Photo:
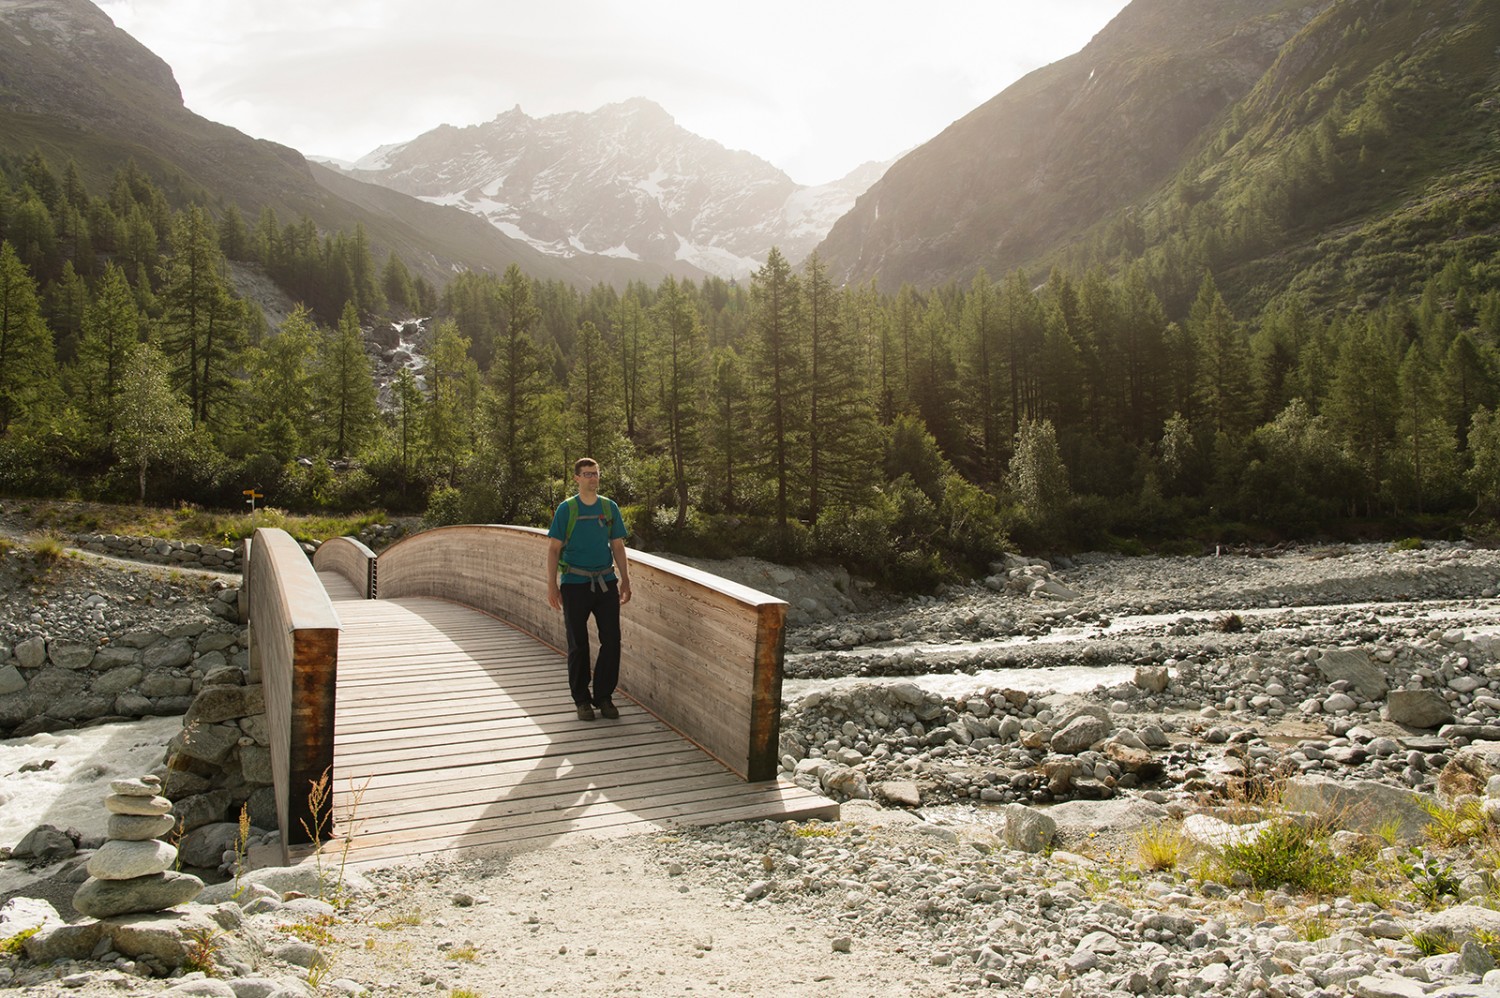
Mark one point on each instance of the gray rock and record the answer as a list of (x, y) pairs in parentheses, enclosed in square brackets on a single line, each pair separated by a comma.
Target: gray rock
[(306, 880), (117, 681), (1361, 805), (45, 844), (104, 898), (202, 809), (255, 764), (125, 860), (31, 653), (1418, 708), (20, 914), (217, 703), (134, 804), (168, 654), (205, 845), (143, 786), (11, 680), (162, 683), (202, 987), (139, 827), (1079, 734), (63, 942), (70, 654), (1152, 678), (209, 743), (1462, 922), (902, 793), (53, 683), (1026, 829), (300, 954), (1353, 665), (115, 657)]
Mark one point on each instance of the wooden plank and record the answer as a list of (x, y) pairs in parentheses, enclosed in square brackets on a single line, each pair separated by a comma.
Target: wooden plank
[(456, 731)]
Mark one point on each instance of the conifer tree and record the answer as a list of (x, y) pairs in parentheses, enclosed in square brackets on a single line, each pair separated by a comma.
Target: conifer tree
[(678, 355), (112, 325), (452, 395), (345, 389), (1362, 405), (27, 371), (728, 426), (282, 384), (202, 332), (779, 369), (841, 439), (1224, 377), (520, 386), (593, 389)]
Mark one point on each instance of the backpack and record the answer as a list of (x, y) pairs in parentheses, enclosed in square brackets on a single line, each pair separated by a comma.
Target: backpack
[(575, 506)]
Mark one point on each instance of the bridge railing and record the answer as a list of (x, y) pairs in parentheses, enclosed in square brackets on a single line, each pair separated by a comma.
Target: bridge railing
[(294, 647), (350, 558), (701, 653)]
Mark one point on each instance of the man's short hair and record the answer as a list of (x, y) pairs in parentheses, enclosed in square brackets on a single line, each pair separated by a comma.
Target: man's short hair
[(584, 462)]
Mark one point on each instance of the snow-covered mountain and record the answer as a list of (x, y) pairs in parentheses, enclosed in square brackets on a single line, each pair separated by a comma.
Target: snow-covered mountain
[(626, 181)]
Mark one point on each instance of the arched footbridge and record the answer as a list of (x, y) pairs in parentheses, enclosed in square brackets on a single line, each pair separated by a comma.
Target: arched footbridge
[(425, 689)]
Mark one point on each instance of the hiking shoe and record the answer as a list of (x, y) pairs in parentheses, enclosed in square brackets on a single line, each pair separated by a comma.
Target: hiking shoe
[(585, 712), (609, 710)]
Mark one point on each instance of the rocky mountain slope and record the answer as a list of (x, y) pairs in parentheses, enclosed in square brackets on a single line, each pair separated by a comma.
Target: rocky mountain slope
[(624, 181), (1340, 151), (75, 86), (1047, 158)]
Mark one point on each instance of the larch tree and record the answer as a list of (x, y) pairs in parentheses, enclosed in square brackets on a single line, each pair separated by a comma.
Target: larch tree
[(594, 395), (779, 368), (678, 356), (202, 330), (27, 370), (841, 439), (520, 388), (112, 325), (344, 385)]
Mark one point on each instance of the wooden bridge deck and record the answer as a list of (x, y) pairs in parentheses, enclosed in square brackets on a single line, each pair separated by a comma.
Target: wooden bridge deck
[(455, 731)]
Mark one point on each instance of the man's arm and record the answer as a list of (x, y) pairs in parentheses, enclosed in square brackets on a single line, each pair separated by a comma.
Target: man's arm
[(554, 552), (622, 568)]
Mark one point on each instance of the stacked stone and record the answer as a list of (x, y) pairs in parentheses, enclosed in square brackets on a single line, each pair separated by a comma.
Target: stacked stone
[(131, 873)]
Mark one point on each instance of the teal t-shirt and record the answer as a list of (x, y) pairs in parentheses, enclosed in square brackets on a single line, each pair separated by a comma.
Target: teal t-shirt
[(589, 547)]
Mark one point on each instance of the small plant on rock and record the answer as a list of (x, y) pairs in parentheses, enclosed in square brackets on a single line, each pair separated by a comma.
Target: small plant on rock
[(1433, 943), (1431, 878), (12, 945), (1230, 623), (1452, 826), (201, 947)]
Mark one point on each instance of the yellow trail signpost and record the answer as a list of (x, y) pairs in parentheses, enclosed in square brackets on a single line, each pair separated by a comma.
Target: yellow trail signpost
[(254, 495)]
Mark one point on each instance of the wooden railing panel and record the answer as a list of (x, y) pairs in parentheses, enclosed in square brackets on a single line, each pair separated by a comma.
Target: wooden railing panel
[(701, 653), (352, 559), (294, 643)]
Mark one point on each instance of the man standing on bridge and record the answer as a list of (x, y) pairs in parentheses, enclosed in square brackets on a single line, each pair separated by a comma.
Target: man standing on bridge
[(587, 549)]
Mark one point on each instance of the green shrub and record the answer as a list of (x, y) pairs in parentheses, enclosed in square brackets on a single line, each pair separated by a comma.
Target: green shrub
[(1288, 855), (1409, 544)]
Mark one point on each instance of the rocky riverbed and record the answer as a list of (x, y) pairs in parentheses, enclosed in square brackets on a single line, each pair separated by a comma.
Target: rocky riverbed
[(999, 835)]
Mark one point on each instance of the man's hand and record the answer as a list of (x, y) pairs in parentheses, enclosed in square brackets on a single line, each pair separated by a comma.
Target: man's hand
[(624, 591), (554, 597)]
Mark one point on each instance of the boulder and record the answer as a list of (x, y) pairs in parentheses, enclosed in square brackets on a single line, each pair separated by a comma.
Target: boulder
[(45, 844), (139, 827), (104, 898), (1353, 665), (1079, 734), (1026, 829), (1359, 805), (1418, 708)]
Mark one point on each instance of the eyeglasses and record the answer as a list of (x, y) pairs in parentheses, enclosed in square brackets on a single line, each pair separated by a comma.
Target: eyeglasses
[(588, 474)]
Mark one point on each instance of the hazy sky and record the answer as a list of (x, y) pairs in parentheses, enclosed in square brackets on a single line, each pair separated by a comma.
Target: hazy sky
[(816, 87)]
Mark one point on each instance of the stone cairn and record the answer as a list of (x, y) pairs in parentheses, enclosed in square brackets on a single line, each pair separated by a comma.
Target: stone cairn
[(131, 873)]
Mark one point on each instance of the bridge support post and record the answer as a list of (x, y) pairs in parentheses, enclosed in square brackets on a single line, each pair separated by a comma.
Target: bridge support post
[(294, 641)]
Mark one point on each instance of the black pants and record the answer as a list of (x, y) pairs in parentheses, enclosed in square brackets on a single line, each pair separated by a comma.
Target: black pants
[(580, 600)]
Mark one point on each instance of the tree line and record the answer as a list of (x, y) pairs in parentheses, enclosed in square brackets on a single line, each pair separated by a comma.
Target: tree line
[(911, 435)]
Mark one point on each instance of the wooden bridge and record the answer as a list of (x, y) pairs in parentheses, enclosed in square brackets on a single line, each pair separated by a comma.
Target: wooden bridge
[(424, 688)]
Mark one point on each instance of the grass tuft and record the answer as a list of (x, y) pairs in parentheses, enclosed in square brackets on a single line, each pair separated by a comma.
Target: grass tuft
[(1161, 846)]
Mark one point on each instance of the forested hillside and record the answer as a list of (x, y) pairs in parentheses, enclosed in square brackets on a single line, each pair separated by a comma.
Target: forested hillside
[(910, 434)]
